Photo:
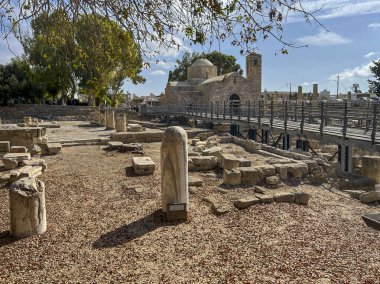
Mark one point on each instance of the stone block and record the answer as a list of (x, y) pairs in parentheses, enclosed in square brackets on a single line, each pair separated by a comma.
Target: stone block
[(264, 198), (5, 146), (249, 175), (282, 170), (27, 120), (28, 171), (286, 197), (143, 165), (12, 160), (369, 197), (302, 198), (53, 148), (244, 162), (114, 145), (27, 207), (193, 181), (131, 147), (298, 170), (18, 149), (35, 162), (264, 171), (194, 141), (371, 167), (246, 202), (213, 151), (229, 161), (202, 163), (134, 127), (232, 177), (272, 181)]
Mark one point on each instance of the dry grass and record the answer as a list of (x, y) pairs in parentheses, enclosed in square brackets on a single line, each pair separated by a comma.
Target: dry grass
[(106, 227)]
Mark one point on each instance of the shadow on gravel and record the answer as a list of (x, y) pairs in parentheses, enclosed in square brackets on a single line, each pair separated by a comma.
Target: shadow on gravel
[(132, 231), (6, 238)]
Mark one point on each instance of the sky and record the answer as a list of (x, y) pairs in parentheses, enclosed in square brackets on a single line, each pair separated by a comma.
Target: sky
[(346, 46)]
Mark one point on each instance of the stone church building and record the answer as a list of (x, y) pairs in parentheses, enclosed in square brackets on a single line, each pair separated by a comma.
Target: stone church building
[(203, 85)]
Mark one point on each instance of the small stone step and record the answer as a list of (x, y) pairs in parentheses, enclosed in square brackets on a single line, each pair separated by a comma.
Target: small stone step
[(143, 165)]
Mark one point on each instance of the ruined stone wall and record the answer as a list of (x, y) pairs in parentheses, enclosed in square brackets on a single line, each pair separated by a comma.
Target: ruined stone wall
[(16, 113)]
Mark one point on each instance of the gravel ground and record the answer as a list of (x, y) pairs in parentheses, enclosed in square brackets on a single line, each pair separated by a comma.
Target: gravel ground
[(106, 227)]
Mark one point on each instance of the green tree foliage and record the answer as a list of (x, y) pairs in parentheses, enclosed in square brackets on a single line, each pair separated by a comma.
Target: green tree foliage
[(69, 55), (18, 83), (375, 69), (224, 63), (239, 22)]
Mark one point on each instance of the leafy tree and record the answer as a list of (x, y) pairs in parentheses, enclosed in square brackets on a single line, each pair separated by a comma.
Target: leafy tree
[(18, 83), (240, 22), (375, 69), (224, 63)]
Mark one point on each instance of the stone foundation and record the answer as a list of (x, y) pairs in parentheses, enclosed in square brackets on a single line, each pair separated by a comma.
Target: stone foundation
[(26, 136)]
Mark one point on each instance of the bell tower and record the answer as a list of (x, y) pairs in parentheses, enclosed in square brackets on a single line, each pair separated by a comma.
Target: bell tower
[(253, 71)]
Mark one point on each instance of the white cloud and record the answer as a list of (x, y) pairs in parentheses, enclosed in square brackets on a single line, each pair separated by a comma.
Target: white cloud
[(165, 64), (361, 71), (177, 46), (368, 55), (323, 38), (305, 84), (374, 25), (328, 9), (158, 73)]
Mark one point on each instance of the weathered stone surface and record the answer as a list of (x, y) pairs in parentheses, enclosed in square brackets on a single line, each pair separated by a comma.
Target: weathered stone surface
[(282, 170), (225, 139), (244, 162), (114, 145), (121, 122), (298, 170), (354, 193), (249, 175), (130, 147), (53, 148), (371, 167), (174, 167), (18, 149), (102, 118), (27, 207), (272, 181), (259, 189), (264, 198), (371, 196), (246, 202), (27, 120), (143, 165), (231, 177), (28, 171), (213, 151), (194, 141), (204, 135), (23, 136), (35, 162), (11, 160), (35, 150), (193, 154), (286, 197), (266, 170), (302, 198), (202, 163), (110, 119), (216, 206), (134, 127), (229, 161), (5, 146), (193, 181)]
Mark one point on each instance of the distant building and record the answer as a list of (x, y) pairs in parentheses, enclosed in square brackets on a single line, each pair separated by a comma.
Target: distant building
[(203, 84), (324, 95)]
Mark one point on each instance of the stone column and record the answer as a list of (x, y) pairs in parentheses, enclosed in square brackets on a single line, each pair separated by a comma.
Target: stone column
[(121, 122), (96, 116), (110, 119), (27, 207), (314, 99), (102, 120), (174, 177)]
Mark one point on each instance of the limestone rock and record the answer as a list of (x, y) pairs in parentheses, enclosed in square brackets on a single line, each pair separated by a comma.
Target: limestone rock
[(213, 151), (286, 197), (243, 162), (371, 167), (354, 193), (131, 147), (202, 163), (229, 161), (272, 181), (298, 170), (18, 149), (249, 175), (5, 146), (246, 202), (12, 160), (371, 196), (27, 207), (302, 198), (266, 170), (114, 145), (53, 148), (35, 162), (143, 165), (174, 168), (232, 177), (259, 189), (193, 181), (133, 127), (264, 198), (282, 170), (28, 171), (35, 150)]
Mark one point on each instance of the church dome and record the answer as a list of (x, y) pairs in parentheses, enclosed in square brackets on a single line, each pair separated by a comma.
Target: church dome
[(202, 62)]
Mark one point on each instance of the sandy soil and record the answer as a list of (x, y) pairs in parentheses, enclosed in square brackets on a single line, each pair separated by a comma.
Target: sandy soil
[(106, 227)]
